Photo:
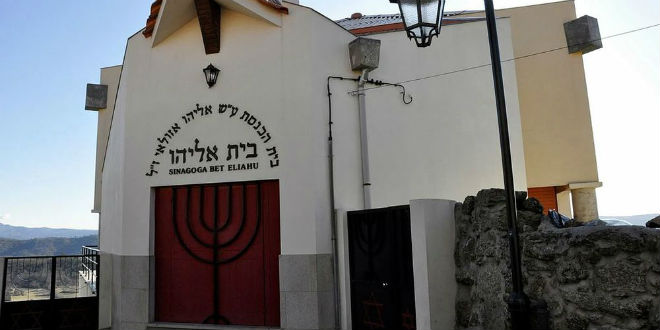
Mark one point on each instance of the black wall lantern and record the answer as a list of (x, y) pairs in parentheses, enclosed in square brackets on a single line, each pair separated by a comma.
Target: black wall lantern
[(211, 74), (422, 19)]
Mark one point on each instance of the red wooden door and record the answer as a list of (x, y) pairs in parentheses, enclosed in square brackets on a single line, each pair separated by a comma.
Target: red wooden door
[(546, 195), (216, 251)]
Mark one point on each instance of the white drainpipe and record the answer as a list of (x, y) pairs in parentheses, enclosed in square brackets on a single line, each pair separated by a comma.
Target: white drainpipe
[(364, 140)]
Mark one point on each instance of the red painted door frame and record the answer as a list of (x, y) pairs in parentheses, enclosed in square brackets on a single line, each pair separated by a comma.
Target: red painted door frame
[(230, 277)]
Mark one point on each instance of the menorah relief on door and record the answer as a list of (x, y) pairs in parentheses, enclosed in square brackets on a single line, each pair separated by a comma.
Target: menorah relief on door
[(216, 251)]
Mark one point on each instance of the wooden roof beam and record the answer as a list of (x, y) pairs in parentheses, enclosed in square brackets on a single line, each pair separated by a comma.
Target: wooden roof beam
[(208, 13)]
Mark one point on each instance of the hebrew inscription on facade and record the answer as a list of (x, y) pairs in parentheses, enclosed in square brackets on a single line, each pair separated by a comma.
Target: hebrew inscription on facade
[(214, 154)]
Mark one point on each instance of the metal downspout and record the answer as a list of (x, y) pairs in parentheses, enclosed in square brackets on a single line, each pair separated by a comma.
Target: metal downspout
[(364, 141), (333, 213)]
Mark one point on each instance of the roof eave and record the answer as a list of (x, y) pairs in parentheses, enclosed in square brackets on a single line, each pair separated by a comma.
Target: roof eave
[(168, 16)]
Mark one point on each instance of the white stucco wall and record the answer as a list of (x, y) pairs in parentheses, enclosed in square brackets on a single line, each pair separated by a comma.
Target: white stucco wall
[(443, 145), (553, 97)]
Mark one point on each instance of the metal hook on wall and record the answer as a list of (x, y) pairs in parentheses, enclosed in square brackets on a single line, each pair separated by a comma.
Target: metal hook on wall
[(403, 95), (405, 100)]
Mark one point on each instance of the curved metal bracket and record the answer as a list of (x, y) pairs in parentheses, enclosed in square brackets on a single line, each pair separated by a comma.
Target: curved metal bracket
[(403, 95), (405, 98)]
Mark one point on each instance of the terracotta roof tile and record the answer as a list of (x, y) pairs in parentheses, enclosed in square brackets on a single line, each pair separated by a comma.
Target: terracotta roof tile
[(151, 20), (369, 24), (366, 21), (277, 4)]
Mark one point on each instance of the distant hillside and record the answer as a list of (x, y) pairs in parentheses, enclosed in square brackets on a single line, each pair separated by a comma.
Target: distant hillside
[(639, 220), (23, 233), (45, 246)]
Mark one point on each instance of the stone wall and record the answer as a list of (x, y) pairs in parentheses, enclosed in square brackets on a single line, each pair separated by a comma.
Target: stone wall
[(592, 277)]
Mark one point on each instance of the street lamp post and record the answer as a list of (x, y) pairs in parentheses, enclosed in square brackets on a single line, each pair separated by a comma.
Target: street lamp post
[(422, 20)]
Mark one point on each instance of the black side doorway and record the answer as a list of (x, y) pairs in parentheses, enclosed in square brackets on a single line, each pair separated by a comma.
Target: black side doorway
[(380, 257)]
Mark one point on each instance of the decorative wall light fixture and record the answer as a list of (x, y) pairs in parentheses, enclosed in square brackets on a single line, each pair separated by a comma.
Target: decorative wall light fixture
[(422, 19), (211, 74)]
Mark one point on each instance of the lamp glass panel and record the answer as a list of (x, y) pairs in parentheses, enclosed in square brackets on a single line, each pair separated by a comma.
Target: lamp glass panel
[(409, 12), (429, 9)]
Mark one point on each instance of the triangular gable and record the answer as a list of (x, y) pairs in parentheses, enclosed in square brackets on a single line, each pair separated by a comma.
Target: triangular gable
[(173, 15), (168, 16), (266, 10)]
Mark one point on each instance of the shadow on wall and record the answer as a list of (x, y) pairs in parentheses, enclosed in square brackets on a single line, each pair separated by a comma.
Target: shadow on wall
[(595, 277)]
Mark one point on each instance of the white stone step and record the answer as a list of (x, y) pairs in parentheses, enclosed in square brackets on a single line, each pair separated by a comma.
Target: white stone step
[(187, 326)]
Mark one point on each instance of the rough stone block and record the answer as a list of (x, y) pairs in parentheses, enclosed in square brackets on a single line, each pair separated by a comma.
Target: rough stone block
[(490, 197), (571, 272), (364, 54), (468, 205), (97, 97), (532, 205), (592, 277), (582, 35), (529, 221), (621, 279)]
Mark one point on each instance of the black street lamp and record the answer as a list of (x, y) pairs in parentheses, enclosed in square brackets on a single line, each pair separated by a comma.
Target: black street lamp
[(422, 19), (211, 74), (422, 24)]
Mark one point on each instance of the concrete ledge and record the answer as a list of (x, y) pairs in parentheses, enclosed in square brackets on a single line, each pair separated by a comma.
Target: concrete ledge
[(583, 185)]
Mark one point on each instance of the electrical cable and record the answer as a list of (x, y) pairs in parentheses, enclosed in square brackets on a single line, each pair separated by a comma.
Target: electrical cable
[(509, 60)]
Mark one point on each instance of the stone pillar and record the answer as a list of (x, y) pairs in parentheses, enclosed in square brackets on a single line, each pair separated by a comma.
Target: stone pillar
[(432, 228), (583, 195)]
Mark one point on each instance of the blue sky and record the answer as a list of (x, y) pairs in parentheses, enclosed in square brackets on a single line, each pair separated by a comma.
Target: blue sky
[(51, 49)]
